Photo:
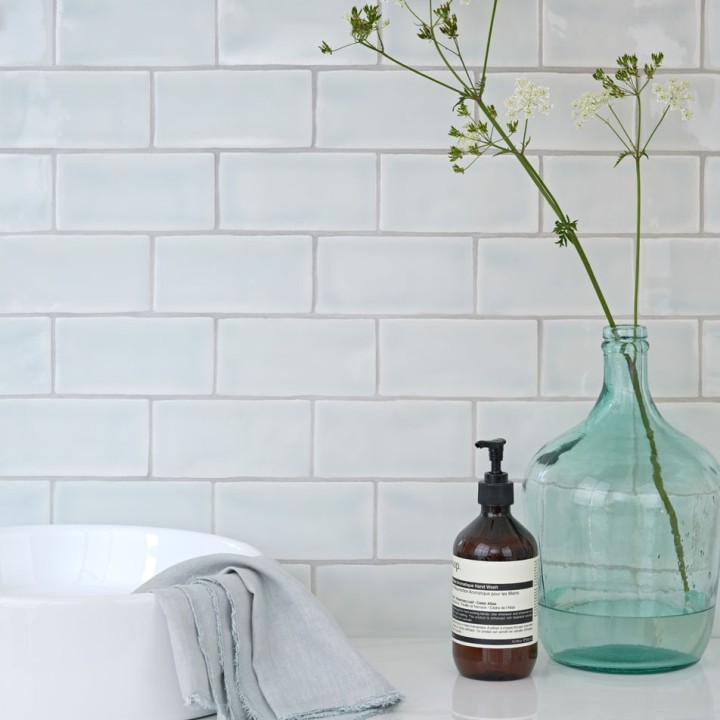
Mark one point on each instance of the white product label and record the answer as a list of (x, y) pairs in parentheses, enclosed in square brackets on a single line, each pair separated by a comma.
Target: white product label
[(495, 604)]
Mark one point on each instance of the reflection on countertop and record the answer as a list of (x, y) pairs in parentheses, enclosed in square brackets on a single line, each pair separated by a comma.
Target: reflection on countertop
[(424, 671)]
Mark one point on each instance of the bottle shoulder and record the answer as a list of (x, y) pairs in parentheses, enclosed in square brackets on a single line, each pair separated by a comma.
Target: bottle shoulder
[(495, 538)]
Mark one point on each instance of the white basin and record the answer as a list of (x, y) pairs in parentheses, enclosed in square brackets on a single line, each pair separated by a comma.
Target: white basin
[(75, 644)]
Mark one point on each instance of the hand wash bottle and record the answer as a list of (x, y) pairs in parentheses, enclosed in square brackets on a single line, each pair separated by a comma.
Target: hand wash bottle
[(494, 592)]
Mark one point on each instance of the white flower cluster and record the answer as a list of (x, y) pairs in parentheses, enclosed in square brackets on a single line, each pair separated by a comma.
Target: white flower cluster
[(673, 94), (528, 99), (587, 106)]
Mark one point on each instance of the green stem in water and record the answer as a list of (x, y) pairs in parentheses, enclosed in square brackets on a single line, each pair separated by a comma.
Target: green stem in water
[(657, 474)]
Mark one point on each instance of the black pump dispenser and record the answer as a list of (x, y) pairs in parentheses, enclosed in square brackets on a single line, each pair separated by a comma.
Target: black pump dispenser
[(495, 490)]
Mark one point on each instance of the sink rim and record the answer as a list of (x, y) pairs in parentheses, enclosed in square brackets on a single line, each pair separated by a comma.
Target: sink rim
[(9, 599)]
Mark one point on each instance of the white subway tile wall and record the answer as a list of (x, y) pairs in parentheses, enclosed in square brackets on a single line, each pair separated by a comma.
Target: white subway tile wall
[(242, 291)]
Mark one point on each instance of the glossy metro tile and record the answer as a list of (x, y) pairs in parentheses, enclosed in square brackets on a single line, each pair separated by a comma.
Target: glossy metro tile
[(528, 426), (458, 358), (24, 502), (226, 274), (442, 509), (224, 108), (183, 505), (371, 109), (387, 600), (296, 357), (313, 191), (59, 437), (27, 27), (26, 190), (392, 439), (593, 33), (134, 356), (136, 192), (75, 109), (533, 276), (135, 32), (281, 518), (284, 32), (70, 273), (226, 438), (582, 183), (515, 41), (679, 277), (396, 275), (25, 364), (580, 374), (421, 193)]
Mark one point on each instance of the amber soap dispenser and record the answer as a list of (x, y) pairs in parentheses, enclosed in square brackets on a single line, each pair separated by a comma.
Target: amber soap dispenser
[(494, 586)]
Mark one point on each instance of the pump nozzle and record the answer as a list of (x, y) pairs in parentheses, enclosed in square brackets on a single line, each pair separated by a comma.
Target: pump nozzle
[(496, 452), (495, 490)]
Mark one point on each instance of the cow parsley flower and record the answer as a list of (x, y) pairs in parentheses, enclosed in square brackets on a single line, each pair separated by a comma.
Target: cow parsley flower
[(588, 105), (528, 99), (675, 94)]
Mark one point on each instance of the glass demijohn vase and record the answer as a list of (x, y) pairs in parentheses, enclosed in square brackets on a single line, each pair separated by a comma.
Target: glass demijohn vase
[(626, 513)]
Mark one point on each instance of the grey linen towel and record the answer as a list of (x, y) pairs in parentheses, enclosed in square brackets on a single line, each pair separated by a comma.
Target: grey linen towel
[(251, 643)]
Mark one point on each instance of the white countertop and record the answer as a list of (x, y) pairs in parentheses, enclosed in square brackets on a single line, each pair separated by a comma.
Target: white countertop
[(424, 671)]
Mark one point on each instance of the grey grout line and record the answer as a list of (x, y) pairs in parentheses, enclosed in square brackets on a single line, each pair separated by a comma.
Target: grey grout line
[(378, 191), (313, 439), (376, 324), (701, 186), (151, 439), (216, 9), (55, 29), (535, 152), (308, 233), (213, 507), (376, 502), (313, 302), (312, 399), (314, 102), (152, 80), (475, 275), (51, 500), (53, 355), (314, 67), (216, 182), (540, 348), (216, 356), (152, 248), (54, 191), (703, 38), (541, 34), (701, 361)]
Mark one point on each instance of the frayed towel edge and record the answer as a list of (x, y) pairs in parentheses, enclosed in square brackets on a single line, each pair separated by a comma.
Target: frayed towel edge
[(366, 708)]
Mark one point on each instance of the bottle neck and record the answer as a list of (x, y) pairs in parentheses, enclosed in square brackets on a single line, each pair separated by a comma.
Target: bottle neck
[(495, 510), (625, 352)]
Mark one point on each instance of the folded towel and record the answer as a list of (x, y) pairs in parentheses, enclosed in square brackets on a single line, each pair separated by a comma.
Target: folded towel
[(251, 643)]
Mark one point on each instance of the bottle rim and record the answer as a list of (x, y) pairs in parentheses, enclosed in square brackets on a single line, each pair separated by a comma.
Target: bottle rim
[(625, 333)]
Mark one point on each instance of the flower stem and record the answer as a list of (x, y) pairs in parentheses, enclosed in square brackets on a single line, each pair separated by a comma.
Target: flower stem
[(487, 45), (657, 473), (552, 202), (638, 225)]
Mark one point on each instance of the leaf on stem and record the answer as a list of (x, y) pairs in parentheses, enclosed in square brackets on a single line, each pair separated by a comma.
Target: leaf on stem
[(566, 231)]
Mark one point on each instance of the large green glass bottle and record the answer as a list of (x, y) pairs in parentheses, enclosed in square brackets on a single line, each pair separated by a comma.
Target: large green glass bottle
[(626, 512)]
